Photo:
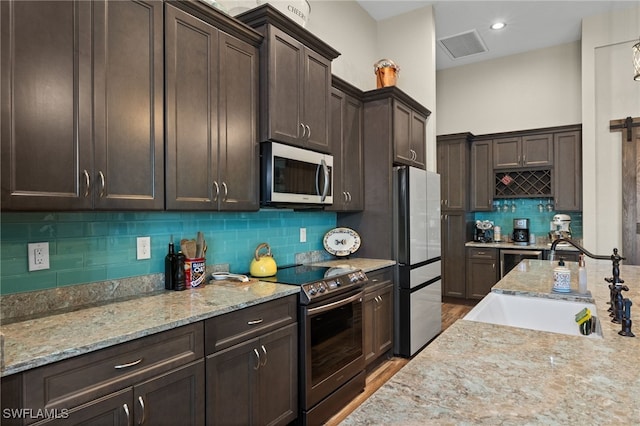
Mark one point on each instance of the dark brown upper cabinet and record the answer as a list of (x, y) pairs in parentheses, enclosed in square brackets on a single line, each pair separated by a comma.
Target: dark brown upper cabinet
[(295, 79), (523, 151), (212, 111), (408, 124), (482, 176), (346, 145), (567, 182), (453, 166), (82, 115)]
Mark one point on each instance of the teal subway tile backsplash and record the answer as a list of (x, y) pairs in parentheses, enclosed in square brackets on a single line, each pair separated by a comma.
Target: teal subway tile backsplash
[(96, 246), (528, 208)]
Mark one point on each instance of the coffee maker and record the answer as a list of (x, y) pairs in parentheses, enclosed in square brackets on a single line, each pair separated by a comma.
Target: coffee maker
[(483, 231), (520, 232), (560, 227)]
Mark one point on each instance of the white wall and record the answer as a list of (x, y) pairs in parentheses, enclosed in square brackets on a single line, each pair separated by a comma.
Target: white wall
[(609, 93), (536, 89), (408, 39)]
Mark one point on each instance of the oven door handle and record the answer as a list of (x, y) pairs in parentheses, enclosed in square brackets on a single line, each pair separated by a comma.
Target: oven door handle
[(336, 304)]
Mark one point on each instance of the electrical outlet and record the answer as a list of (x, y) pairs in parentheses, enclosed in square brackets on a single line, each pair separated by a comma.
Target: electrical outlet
[(303, 235), (143, 248), (38, 256)]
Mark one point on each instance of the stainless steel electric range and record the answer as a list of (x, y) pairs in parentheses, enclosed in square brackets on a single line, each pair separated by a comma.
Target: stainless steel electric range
[(331, 354)]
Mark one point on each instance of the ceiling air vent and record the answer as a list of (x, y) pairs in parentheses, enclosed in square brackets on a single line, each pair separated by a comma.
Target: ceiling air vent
[(463, 44)]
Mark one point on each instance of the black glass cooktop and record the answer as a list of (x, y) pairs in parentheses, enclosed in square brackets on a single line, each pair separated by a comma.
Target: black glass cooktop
[(304, 274)]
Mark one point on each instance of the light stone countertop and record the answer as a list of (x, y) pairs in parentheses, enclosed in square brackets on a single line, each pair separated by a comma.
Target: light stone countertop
[(45, 339), (35, 342), (539, 245), (479, 373)]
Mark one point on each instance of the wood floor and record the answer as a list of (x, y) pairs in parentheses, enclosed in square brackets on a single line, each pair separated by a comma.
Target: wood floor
[(451, 311)]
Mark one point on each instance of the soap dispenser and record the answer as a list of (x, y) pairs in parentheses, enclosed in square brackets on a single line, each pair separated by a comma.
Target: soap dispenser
[(561, 278), (582, 275)]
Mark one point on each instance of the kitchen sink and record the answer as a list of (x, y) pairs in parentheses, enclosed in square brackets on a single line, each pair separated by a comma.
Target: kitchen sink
[(534, 313)]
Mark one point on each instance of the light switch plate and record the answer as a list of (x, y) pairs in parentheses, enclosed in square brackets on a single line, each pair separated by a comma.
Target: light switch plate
[(38, 256), (303, 235), (143, 248)]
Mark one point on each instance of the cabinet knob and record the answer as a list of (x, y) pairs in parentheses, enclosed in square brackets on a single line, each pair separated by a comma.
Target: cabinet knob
[(255, 351), (144, 413), (304, 130), (264, 350), (308, 131)]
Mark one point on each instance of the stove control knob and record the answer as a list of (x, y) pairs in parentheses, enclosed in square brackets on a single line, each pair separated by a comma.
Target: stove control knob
[(322, 288), (312, 290)]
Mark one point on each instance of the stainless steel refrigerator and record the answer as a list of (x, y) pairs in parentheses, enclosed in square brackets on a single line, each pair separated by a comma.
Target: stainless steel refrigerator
[(418, 291)]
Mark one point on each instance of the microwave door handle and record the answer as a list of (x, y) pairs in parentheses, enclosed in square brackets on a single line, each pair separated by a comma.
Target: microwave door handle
[(325, 170)]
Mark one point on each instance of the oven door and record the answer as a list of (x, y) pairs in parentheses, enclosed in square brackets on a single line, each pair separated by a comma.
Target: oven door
[(331, 345), (509, 259)]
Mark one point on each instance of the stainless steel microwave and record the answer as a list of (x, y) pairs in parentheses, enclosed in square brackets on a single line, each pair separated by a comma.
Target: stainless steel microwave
[(295, 176)]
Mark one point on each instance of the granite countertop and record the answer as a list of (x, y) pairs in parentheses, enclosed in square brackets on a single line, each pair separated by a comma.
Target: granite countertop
[(45, 339), (40, 341), (539, 245), (479, 373)]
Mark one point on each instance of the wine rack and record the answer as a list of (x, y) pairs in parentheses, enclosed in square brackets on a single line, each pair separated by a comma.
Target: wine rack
[(529, 183)]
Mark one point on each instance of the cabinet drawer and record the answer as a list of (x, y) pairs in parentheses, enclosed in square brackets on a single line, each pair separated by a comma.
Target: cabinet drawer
[(379, 276), (71, 382), (482, 253), (235, 327)]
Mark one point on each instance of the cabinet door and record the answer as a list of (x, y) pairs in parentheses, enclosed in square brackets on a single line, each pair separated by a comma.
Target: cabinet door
[(191, 110), (453, 254), (537, 150), (507, 153), (116, 409), (482, 274), (384, 319), (567, 179), (238, 103), (352, 163), (368, 326), (282, 120), (128, 105), (346, 145), (232, 376), (317, 91), (45, 123), (174, 398), (418, 139), (482, 180), (277, 394), (453, 159), (402, 120)]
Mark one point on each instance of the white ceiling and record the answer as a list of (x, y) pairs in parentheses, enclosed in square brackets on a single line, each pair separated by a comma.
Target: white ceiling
[(530, 24)]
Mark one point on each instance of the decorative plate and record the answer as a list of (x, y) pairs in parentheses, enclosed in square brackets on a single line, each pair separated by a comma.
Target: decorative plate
[(341, 241)]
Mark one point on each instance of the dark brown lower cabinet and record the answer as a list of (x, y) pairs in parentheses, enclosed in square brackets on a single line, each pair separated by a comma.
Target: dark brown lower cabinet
[(378, 315), (173, 398), (255, 382), (482, 271), (454, 236)]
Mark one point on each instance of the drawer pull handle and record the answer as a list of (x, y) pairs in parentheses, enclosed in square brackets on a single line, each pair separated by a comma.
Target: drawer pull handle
[(481, 253), (254, 322), (255, 351), (141, 402), (127, 365)]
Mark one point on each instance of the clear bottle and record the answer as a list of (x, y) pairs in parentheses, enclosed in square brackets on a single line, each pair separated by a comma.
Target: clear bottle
[(582, 275), (169, 267)]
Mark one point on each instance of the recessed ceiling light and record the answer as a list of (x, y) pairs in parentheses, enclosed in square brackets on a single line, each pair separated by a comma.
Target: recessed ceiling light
[(498, 26)]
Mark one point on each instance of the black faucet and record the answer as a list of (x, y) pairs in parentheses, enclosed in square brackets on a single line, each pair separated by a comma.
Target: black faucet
[(620, 308)]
